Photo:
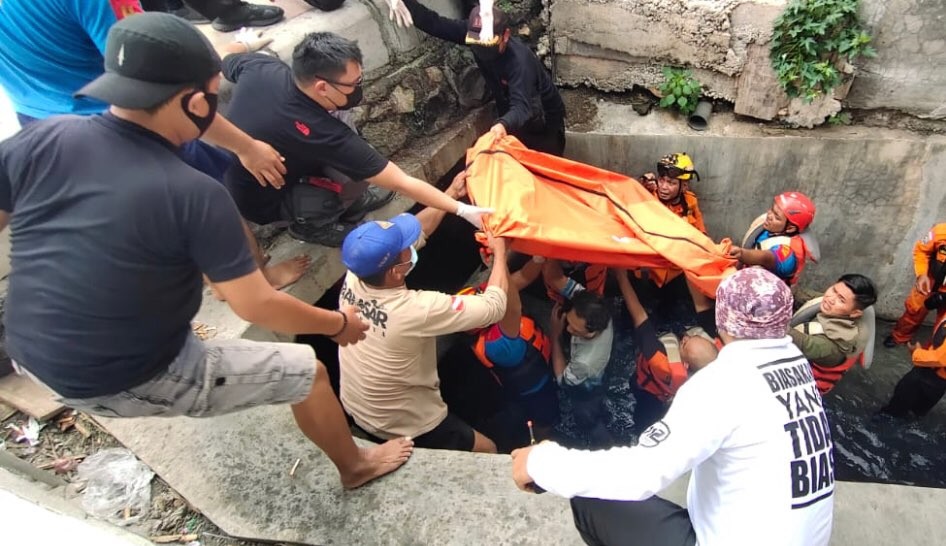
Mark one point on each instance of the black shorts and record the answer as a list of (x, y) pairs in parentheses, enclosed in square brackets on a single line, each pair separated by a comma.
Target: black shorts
[(451, 433)]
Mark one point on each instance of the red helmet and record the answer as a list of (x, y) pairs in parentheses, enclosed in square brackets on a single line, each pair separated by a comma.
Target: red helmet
[(798, 209)]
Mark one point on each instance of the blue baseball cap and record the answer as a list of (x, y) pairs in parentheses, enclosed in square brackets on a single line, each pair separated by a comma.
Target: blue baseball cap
[(375, 246)]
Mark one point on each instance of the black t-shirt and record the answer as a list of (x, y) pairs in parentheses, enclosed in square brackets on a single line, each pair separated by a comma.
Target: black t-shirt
[(268, 106), (110, 233), (517, 79)]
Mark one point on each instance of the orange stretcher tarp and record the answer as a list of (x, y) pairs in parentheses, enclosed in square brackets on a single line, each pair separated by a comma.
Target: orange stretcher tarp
[(562, 209)]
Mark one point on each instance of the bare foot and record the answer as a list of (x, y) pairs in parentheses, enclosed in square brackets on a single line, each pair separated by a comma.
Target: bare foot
[(287, 272), (378, 461)]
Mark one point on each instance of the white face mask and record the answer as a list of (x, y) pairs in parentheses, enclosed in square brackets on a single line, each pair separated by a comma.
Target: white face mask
[(414, 259)]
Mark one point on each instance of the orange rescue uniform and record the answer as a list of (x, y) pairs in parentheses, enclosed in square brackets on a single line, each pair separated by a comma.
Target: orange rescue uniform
[(929, 259)]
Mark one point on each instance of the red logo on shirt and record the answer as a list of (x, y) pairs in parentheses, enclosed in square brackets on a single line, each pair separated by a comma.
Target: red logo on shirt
[(456, 303), (124, 8), (303, 128)]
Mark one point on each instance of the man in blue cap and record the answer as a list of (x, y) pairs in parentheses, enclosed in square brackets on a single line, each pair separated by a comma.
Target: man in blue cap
[(389, 381)]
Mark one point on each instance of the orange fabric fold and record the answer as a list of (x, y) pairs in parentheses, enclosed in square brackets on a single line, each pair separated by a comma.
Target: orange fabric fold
[(558, 208)]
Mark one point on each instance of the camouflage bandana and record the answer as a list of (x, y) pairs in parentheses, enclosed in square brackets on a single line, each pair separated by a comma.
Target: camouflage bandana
[(753, 304)]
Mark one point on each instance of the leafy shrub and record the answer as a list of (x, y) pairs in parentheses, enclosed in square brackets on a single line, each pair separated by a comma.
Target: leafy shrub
[(680, 90), (810, 39)]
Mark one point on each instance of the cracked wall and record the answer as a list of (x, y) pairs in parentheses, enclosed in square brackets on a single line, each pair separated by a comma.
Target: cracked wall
[(613, 45), (876, 192)]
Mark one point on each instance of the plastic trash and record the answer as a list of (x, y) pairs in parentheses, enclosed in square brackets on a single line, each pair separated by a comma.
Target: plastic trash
[(116, 480)]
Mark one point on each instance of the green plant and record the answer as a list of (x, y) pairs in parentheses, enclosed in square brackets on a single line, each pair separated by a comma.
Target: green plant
[(811, 39), (680, 90), (841, 118)]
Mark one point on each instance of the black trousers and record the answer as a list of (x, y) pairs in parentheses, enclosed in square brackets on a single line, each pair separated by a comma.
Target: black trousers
[(551, 140), (652, 522), (918, 391), (210, 9)]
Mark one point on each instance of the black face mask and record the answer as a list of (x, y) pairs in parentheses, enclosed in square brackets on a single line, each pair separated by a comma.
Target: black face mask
[(202, 123), (352, 99), (485, 53)]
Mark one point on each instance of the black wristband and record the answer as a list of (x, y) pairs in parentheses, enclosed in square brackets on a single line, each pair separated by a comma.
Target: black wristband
[(344, 323)]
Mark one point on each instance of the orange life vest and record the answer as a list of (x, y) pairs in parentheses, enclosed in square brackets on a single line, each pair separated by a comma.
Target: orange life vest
[(934, 355), (660, 376), (532, 370), (827, 377), (688, 208)]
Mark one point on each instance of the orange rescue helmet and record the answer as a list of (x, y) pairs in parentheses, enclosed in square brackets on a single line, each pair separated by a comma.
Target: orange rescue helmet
[(798, 208)]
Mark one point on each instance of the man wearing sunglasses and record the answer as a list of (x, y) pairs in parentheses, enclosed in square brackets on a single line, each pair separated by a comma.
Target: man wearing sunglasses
[(333, 172), (527, 102)]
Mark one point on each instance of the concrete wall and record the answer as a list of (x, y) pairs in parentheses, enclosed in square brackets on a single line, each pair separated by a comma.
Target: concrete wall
[(876, 194), (909, 72), (616, 44)]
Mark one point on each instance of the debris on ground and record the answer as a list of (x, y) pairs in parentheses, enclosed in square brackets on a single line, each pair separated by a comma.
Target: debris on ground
[(203, 331), (117, 486), (26, 432), (67, 439)]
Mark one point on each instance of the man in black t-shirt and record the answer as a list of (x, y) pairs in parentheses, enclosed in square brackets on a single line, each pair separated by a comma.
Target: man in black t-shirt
[(529, 106), (296, 110), (111, 232)]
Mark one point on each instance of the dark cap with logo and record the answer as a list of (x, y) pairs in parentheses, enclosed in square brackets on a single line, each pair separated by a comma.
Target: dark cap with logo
[(475, 23), (149, 58)]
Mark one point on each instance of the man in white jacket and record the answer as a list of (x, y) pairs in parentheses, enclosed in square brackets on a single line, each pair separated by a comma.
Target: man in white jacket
[(750, 426)]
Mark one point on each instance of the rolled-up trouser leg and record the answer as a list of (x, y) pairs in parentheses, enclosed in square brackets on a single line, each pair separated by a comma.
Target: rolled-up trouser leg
[(913, 314)]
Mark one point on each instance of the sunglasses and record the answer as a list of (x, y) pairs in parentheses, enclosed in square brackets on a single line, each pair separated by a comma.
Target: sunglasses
[(676, 172), (356, 83)]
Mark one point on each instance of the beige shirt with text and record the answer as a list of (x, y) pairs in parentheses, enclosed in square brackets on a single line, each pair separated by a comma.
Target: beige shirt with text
[(389, 381)]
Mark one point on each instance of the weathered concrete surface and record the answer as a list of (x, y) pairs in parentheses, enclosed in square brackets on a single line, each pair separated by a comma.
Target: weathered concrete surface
[(909, 72), (235, 470), (614, 45), (38, 515), (877, 191), (428, 159)]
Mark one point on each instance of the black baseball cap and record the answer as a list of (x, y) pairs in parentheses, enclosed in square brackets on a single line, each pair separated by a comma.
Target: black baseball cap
[(149, 57)]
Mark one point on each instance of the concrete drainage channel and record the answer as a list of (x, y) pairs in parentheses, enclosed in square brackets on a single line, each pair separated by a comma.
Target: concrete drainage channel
[(241, 482), (234, 469)]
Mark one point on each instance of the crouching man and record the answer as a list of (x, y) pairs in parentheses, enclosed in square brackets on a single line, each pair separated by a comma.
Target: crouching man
[(761, 461), (389, 383)]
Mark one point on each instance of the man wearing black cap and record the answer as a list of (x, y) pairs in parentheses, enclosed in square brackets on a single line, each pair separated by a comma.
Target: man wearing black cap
[(110, 234), (41, 76), (529, 106)]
